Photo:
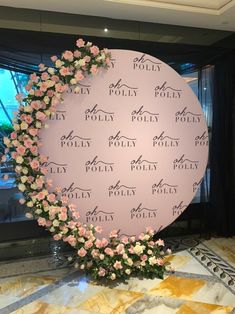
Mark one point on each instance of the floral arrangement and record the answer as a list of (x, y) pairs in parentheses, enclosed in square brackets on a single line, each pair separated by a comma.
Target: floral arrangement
[(113, 258)]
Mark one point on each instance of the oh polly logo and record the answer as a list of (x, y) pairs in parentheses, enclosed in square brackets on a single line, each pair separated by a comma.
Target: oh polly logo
[(84, 89), (122, 89), (166, 91), (98, 114), (178, 208), (196, 184), (164, 140), (144, 63), (96, 215), (183, 163), (163, 188), (98, 165), (141, 164), (55, 167), (201, 140), (141, 115), (119, 140), (184, 116), (121, 190), (59, 115), (73, 140), (74, 192), (141, 212)]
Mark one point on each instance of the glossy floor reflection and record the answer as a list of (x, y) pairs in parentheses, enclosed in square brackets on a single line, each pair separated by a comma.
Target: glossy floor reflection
[(203, 283)]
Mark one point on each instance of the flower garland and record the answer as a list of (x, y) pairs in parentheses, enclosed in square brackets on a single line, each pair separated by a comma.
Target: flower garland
[(111, 258)]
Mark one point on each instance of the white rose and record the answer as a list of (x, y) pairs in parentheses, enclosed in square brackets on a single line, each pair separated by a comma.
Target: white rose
[(73, 81), (33, 186), (28, 108), (52, 229), (16, 127), (65, 230), (113, 276), (38, 211), (146, 237), (23, 179), (6, 140), (80, 63), (50, 83), (25, 170), (152, 260), (38, 125), (18, 168), (21, 187), (129, 261), (30, 204), (128, 271), (138, 249), (150, 252), (101, 257), (56, 223), (59, 63), (19, 159), (51, 70), (46, 99)]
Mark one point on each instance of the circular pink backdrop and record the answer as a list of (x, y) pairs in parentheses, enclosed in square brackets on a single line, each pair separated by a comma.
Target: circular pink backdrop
[(130, 149)]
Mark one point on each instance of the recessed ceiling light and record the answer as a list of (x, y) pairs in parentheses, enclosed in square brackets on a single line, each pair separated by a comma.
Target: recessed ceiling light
[(105, 30)]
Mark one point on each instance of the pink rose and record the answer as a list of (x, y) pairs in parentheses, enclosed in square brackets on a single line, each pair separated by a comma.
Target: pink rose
[(21, 150), (82, 252), (79, 76), (63, 216), (33, 77), (33, 132), (80, 43), (159, 242), (81, 231), (72, 224), (34, 164), (40, 116), (113, 234), (65, 71), (98, 229), (55, 78), (57, 236), (40, 195), (41, 221), (28, 119), (51, 197), (125, 240), (44, 76), (120, 248), (50, 93), (13, 135), (71, 240), (150, 230), (94, 69), (64, 199), (104, 242), (88, 244), (77, 54), (98, 243), (117, 265), (109, 251), (34, 150), (38, 93), (144, 257), (94, 50), (159, 262), (68, 55), (101, 272), (35, 104), (54, 58)]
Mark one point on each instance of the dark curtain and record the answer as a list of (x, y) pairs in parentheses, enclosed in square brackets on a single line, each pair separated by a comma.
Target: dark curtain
[(24, 50), (222, 204)]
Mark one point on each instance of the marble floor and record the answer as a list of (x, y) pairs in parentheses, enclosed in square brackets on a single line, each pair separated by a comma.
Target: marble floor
[(203, 282)]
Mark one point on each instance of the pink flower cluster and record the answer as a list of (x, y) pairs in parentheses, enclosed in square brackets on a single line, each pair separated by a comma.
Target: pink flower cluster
[(110, 258)]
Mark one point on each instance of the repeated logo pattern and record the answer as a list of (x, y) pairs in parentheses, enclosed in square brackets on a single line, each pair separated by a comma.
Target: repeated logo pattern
[(130, 147)]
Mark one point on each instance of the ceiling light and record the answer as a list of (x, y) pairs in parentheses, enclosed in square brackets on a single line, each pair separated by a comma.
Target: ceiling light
[(105, 30)]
